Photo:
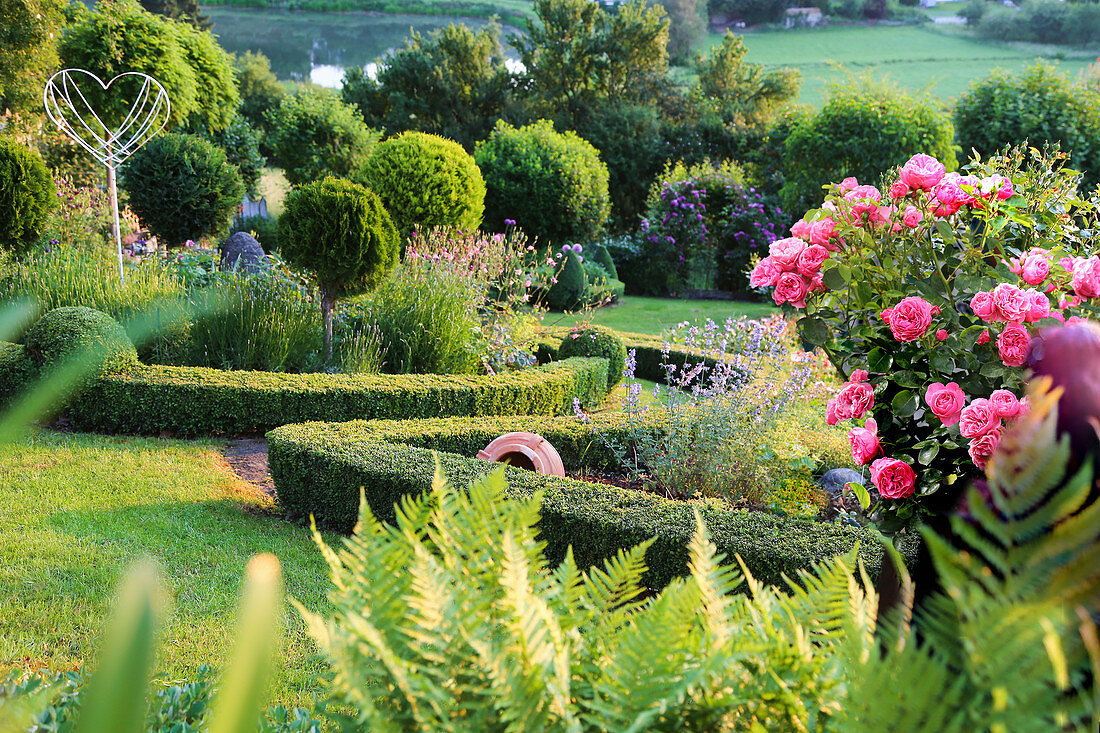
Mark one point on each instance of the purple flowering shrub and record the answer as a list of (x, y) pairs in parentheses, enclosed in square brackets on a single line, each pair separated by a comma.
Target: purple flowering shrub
[(749, 226), (673, 236)]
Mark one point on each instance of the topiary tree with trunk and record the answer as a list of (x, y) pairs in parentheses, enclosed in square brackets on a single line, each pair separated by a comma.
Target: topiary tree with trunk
[(339, 231)]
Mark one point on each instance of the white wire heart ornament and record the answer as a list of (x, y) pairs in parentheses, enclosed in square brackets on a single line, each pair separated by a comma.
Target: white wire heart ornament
[(77, 117)]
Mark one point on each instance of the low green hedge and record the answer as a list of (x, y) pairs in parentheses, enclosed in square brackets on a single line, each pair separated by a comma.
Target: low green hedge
[(15, 371), (319, 468), (650, 354), (197, 401)]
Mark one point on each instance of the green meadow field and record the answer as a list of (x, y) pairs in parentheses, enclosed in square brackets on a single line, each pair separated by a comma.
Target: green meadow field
[(942, 61)]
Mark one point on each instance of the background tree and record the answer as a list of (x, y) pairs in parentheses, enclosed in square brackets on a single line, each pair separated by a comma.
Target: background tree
[(241, 144), (452, 82), (687, 21), (340, 232), (27, 196), (186, 10), (260, 91), (28, 53), (119, 36), (314, 134), (182, 187), (1040, 106), (738, 91)]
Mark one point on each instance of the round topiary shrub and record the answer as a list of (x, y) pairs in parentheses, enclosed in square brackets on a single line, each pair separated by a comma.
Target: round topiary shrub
[(426, 180), (553, 185), (597, 341), (27, 196), (340, 232), (76, 332), (182, 187)]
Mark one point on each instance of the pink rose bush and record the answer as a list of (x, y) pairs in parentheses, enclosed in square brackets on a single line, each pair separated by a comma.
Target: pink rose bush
[(927, 293)]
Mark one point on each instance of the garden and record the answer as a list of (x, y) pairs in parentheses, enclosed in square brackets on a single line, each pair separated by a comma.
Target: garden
[(494, 424)]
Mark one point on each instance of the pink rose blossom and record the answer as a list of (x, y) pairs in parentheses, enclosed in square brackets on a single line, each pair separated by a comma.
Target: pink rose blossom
[(765, 274), (983, 338), (1010, 302), (886, 315), (864, 442), (1038, 306), (978, 418), (1013, 344), (785, 252), (791, 288), (822, 232), (893, 478), (911, 217), (859, 375), (1086, 277), (854, 400), (811, 259), (1005, 191), (911, 319), (945, 401), (1034, 268), (1005, 404), (847, 184), (941, 335), (831, 418), (863, 192), (982, 448), (800, 229), (983, 307), (899, 190), (922, 172)]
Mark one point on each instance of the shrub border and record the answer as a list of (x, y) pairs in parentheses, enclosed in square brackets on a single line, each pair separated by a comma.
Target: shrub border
[(319, 468), (651, 353)]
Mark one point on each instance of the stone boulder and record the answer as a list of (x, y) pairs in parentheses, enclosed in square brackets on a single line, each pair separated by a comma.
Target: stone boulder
[(243, 252)]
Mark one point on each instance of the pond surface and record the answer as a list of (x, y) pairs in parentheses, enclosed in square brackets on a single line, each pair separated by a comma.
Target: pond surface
[(317, 47)]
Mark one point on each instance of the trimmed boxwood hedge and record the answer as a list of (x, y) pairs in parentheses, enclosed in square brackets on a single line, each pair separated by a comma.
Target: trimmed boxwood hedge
[(649, 354), (191, 401), (15, 370), (319, 469)]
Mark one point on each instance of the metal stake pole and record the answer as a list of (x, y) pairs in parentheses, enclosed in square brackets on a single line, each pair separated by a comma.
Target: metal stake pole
[(113, 185)]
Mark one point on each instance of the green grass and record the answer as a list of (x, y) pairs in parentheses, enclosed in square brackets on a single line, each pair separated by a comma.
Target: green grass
[(654, 315), (940, 60), (78, 510), (274, 187)]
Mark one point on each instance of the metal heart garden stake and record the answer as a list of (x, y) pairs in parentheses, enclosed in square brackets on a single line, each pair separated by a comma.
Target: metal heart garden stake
[(75, 115)]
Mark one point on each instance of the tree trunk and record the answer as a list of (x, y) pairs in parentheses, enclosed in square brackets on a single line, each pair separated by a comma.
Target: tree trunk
[(328, 301)]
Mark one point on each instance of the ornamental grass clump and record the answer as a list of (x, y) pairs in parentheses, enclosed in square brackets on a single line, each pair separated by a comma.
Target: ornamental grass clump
[(706, 431), (927, 294)]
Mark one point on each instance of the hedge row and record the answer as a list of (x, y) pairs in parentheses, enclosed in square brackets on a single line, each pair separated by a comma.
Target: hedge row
[(15, 371), (319, 468), (651, 355), (191, 401)]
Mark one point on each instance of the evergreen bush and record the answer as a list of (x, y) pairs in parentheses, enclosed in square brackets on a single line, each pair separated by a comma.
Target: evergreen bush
[(182, 187), (427, 181), (75, 331), (597, 341), (27, 196), (568, 292), (552, 185), (340, 232), (313, 135)]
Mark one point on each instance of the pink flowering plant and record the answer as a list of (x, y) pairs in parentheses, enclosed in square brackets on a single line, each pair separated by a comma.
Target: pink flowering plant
[(925, 292)]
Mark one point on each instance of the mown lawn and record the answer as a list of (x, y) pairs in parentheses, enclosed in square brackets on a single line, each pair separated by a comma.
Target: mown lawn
[(654, 315), (940, 60), (77, 510)]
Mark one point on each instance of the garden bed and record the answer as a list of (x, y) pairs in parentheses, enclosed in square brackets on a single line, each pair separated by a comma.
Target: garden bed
[(320, 468)]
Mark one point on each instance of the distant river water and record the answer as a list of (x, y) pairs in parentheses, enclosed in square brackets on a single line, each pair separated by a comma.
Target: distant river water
[(318, 46)]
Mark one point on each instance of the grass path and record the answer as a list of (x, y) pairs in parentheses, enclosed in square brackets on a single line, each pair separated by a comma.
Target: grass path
[(654, 315), (77, 510)]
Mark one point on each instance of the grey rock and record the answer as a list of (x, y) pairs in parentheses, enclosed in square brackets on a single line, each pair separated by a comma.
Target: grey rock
[(243, 252), (833, 481)]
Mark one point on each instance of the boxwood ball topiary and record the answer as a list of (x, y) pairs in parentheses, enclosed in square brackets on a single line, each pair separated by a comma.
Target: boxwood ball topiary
[(597, 341), (27, 196), (78, 332), (553, 185), (426, 180), (339, 231), (182, 187)]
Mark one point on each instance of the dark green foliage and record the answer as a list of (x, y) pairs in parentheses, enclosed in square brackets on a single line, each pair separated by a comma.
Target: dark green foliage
[(599, 254), (745, 226), (28, 51), (752, 12), (182, 187), (340, 232), (76, 332), (193, 401), (452, 83), (651, 355), (553, 185), (319, 468), (266, 231), (261, 93), (119, 36), (186, 10), (313, 134), (739, 92), (568, 292), (27, 196), (241, 143), (628, 136), (860, 131), (1037, 21), (1040, 106), (425, 181), (687, 23), (597, 341), (16, 371)]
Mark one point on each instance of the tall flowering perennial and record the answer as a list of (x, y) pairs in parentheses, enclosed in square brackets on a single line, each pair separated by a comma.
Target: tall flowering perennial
[(926, 293)]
